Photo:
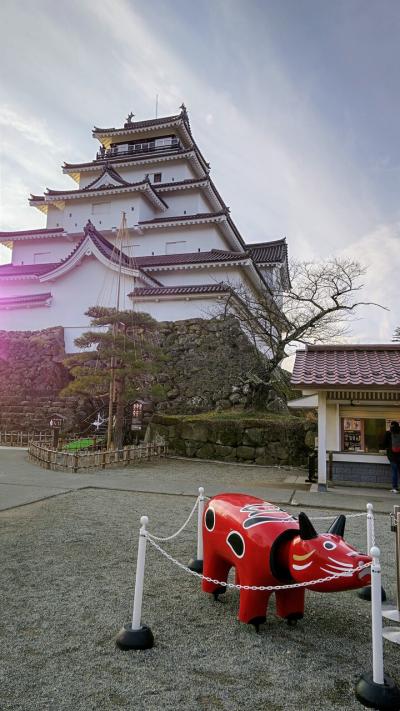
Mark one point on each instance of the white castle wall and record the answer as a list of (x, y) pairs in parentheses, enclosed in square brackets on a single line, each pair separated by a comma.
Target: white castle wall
[(180, 309), (88, 284), (206, 275), (171, 171), (192, 238), (104, 213), (41, 251)]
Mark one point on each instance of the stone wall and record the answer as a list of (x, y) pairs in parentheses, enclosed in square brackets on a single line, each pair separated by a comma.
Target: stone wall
[(32, 375), (277, 440), (209, 365), (367, 472)]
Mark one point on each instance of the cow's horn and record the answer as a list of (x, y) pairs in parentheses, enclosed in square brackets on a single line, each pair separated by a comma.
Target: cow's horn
[(307, 530), (337, 527)]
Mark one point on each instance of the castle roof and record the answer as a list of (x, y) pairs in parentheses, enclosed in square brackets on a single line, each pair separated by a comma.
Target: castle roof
[(212, 256), (268, 252), (31, 234), (218, 288), (25, 301), (109, 182), (347, 366)]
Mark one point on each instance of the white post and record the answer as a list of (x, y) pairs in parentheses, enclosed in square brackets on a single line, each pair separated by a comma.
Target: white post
[(200, 513), (370, 526), (322, 441), (141, 558), (377, 640)]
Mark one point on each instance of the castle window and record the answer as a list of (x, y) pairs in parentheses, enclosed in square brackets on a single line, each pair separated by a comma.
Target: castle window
[(157, 177)]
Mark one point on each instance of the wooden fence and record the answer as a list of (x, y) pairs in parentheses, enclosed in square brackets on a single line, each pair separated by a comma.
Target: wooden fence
[(22, 439), (82, 461)]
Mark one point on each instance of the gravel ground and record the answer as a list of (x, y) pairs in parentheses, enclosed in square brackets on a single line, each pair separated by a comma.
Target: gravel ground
[(67, 579)]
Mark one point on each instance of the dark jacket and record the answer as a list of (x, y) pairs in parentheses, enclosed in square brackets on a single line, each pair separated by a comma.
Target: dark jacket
[(387, 444)]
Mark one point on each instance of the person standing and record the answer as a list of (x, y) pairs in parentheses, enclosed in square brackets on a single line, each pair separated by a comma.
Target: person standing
[(392, 446)]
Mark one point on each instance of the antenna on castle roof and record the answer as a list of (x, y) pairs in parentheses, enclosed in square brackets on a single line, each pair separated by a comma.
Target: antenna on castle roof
[(156, 105)]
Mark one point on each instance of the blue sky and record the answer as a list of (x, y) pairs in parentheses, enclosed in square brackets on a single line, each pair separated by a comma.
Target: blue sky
[(295, 103)]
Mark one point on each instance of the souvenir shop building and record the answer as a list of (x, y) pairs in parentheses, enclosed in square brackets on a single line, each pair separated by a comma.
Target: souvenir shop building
[(356, 390)]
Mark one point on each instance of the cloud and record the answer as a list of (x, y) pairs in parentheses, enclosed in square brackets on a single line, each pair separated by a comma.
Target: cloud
[(31, 129), (379, 251)]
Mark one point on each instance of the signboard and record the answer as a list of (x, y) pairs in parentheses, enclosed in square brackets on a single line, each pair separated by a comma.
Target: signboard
[(56, 422), (137, 415)]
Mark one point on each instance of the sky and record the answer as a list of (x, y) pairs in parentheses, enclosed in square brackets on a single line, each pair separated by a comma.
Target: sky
[(295, 103)]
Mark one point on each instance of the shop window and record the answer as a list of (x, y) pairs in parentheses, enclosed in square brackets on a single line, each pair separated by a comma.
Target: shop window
[(363, 434), (352, 434), (374, 433)]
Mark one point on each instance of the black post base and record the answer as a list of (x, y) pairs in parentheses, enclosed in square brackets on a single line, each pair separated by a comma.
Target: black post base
[(384, 697), (365, 594), (127, 638), (195, 565)]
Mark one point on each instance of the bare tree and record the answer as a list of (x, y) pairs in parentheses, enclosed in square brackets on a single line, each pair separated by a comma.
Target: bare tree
[(317, 306)]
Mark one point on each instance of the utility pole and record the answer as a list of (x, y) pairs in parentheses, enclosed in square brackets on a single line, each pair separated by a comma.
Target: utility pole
[(113, 363)]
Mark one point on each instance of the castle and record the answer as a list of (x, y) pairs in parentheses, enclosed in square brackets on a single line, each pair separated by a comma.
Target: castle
[(181, 252)]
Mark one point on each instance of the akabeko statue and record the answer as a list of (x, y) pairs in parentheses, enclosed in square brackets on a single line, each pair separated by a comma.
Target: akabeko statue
[(268, 546)]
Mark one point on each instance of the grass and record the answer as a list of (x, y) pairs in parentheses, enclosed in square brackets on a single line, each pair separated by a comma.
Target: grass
[(236, 415)]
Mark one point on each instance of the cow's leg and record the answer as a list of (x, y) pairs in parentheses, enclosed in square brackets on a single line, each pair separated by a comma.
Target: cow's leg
[(290, 604), (218, 569), (253, 606)]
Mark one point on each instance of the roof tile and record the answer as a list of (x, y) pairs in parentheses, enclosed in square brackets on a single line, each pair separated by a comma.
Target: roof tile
[(348, 366)]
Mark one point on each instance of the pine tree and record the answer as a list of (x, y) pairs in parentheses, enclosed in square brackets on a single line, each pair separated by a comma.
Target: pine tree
[(120, 351)]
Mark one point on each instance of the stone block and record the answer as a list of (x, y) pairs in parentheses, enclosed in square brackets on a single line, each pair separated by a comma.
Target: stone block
[(206, 451), (197, 431), (255, 436), (191, 448), (243, 452), (222, 451)]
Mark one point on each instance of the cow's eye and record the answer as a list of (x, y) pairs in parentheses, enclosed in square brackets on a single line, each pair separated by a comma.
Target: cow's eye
[(329, 545)]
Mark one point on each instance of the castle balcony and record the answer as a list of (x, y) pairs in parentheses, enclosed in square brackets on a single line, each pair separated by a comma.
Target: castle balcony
[(157, 145)]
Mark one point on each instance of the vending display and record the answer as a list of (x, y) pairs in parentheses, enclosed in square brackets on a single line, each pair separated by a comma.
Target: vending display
[(352, 435)]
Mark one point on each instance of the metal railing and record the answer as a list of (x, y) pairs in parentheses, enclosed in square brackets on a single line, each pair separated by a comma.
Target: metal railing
[(115, 151), (103, 459)]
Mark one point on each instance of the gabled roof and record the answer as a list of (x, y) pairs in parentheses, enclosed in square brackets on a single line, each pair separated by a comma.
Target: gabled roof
[(96, 187), (370, 366), (109, 173)]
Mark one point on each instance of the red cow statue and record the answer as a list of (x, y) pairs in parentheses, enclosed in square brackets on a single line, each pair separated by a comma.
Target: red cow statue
[(268, 546)]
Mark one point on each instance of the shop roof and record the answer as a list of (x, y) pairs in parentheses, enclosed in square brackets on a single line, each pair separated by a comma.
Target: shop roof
[(369, 365)]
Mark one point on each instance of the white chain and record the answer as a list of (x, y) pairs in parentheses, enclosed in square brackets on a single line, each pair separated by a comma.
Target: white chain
[(327, 518), (224, 584), (373, 530), (174, 535)]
